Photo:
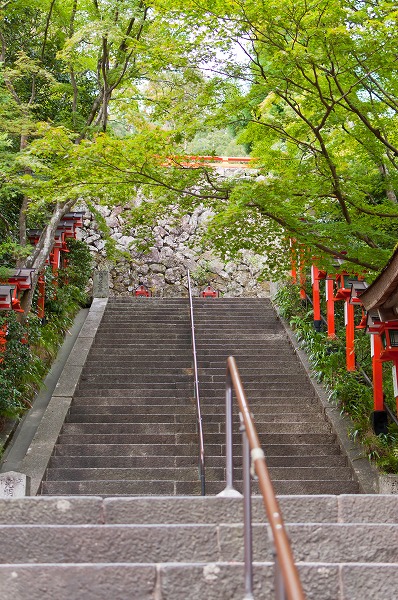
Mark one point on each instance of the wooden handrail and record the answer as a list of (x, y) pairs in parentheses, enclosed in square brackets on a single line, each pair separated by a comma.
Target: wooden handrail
[(283, 548)]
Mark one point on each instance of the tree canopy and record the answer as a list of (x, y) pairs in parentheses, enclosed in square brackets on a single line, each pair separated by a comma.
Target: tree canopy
[(100, 98)]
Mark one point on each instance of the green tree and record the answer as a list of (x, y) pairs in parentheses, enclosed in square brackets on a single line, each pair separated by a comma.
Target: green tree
[(320, 117), (69, 71)]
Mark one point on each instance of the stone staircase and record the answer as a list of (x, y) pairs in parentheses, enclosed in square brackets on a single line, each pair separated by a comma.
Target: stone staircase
[(146, 548), (300, 447), (113, 521), (132, 428)]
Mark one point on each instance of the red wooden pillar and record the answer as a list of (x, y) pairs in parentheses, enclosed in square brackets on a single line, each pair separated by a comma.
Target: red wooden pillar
[(41, 285), (349, 335), (303, 295), (377, 369), (316, 298), (55, 259), (395, 381), (330, 308)]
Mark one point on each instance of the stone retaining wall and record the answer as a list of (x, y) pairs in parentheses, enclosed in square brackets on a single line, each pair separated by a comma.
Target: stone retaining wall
[(164, 268)]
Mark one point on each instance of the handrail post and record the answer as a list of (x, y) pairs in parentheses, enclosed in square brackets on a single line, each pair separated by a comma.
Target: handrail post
[(280, 590), (229, 490), (247, 513)]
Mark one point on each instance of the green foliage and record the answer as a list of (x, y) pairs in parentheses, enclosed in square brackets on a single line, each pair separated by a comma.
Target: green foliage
[(14, 367), (218, 142), (32, 346), (348, 390)]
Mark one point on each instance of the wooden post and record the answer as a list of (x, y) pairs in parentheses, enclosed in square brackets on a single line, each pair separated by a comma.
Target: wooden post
[(330, 308), (349, 335), (316, 298), (377, 369)]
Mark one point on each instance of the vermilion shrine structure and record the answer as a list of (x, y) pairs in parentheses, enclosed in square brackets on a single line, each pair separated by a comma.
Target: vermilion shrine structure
[(379, 308)]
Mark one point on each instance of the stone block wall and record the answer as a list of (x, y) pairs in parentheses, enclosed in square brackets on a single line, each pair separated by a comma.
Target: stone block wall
[(164, 268)]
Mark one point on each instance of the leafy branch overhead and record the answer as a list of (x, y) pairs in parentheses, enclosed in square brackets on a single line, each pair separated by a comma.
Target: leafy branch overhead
[(101, 99)]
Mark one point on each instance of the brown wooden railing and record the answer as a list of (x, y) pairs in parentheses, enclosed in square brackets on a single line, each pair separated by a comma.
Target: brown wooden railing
[(287, 581)]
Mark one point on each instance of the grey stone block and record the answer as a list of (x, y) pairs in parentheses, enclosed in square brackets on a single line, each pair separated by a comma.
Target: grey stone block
[(370, 582), (343, 543), (370, 508), (222, 581), (108, 544), (101, 284), (52, 511), (296, 509), (79, 353), (90, 328), (67, 383), (75, 582), (318, 543), (14, 485), (39, 452)]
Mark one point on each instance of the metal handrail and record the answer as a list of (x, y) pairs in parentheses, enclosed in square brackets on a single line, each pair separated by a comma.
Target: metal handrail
[(287, 581), (202, 476)]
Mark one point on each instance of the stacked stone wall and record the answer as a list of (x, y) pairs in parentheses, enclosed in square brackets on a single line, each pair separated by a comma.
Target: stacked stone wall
[(164, 268)]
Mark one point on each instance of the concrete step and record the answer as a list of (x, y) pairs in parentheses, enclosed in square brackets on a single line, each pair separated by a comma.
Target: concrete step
[(186, 417), (288, 437), (36, 510), (288, 403), (127, 462), (147, 449), (136, 366), (319, 543), (176, 487), (154, 377), (133, 397), (218, 581), (181, 412), (136, 390), (210, 429), (183, 473)]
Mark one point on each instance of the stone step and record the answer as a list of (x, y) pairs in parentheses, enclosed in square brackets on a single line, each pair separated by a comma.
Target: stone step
[(182, 438), (151, 377), (153, 397), (319, 543), (164, 388), (36, 510), (94, 411), (248, 380), (132, 398), (114, 462), (183, 473), (210, 429), (278, 382), (186, 418), (218, 581), (183, 393), (181, 488), (163, 363), (164, 449), (168, 371)]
